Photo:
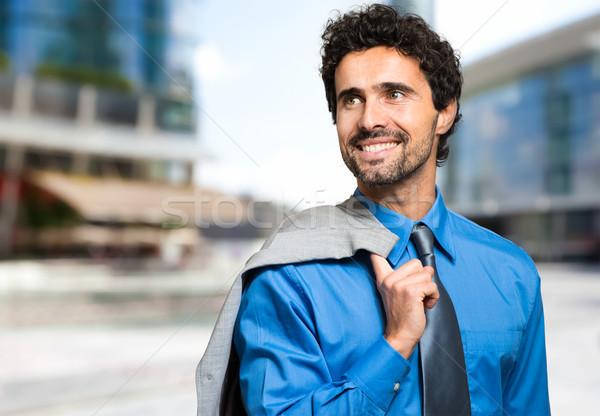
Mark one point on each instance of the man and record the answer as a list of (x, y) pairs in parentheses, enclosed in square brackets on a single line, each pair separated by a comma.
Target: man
[(338, 314)]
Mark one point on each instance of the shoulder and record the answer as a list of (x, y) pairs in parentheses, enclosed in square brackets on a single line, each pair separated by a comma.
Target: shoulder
[(302, 276), (349, 214), (324, 232), (497, 263), (325, 217), (485, 244)]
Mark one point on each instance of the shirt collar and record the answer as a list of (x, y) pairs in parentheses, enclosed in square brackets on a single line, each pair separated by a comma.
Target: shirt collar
[(436, 219)]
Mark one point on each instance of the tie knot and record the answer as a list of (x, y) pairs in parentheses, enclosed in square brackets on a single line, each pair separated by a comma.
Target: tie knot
[(423, 238)]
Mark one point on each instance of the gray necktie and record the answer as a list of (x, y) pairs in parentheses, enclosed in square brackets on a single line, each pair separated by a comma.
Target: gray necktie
[(445, 388)]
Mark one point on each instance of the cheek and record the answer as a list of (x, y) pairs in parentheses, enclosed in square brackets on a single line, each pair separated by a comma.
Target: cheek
[(412, 122), (405, 116), (342, 136), (343, 128), (346, 123)]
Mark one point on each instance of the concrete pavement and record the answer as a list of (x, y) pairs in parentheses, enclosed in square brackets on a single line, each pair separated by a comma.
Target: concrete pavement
[(572, 311)]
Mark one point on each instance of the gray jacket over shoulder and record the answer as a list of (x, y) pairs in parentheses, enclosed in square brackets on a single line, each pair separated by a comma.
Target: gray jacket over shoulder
[(326, 232)]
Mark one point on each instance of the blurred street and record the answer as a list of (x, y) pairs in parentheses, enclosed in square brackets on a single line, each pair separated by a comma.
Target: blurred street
[(132, 350), (78, 338)]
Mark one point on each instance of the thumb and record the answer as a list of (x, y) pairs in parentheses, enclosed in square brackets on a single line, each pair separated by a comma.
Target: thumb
[(381, 267)]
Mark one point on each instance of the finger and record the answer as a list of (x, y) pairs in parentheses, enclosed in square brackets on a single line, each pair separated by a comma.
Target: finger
[(429, 303), (411, 267), (432, 296), (421, 276), (381, 267)]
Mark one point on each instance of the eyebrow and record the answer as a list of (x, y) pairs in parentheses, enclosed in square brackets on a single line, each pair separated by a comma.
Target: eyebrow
[(349, 91), (400, 86), (384, 86)]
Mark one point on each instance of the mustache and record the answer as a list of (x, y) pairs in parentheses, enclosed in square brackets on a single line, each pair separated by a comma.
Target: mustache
[(399, 135)]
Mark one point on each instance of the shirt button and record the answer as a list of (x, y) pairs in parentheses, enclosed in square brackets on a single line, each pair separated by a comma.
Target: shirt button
[(396, 386)]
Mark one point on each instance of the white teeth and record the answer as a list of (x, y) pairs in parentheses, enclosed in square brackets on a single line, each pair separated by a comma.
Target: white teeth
[(374, 148)]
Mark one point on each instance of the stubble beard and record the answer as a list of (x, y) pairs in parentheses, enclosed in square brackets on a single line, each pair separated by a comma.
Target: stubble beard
[(405, 165)]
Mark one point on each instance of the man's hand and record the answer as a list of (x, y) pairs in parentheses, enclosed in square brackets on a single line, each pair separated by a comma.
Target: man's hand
[(406, 292)]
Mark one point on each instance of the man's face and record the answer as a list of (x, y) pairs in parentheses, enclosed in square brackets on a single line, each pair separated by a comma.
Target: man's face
[(386, 121)]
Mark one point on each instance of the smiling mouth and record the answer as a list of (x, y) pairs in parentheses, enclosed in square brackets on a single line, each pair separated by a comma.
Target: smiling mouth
[(379, 147)]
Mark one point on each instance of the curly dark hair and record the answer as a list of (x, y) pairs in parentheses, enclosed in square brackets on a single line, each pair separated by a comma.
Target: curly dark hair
[(381, 25)]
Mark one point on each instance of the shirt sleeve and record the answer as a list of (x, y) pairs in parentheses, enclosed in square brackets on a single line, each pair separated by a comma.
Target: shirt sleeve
[(526, 391), (282, 368)]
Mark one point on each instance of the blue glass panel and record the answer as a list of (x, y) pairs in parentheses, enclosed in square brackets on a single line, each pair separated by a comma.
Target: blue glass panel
[(535, 135)]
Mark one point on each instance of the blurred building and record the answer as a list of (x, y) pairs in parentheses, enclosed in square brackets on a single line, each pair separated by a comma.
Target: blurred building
[(423, 8), (97, 123), (526, 159)]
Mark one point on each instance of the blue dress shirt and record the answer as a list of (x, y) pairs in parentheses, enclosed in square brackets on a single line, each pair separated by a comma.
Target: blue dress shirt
[(310, 335)]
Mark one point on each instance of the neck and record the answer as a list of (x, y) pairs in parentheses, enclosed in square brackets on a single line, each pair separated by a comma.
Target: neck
[(411, 198)]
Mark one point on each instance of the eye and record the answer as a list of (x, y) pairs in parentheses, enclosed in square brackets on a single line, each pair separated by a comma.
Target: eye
[(395, 95), (351, 100)]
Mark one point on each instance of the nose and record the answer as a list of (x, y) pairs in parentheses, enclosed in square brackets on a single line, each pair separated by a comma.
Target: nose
[(373, 116)]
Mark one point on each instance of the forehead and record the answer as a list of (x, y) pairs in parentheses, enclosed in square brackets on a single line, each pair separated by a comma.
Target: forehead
[(371, 67)]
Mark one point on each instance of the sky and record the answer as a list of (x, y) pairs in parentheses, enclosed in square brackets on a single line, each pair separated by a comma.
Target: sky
[(264, 123)]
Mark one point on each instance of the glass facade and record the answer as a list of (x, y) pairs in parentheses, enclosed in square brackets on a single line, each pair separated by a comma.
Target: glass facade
[(532, 137), (525, 160), (127, 47)]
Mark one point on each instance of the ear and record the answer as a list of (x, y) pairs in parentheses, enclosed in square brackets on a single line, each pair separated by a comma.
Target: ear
[(446, 118)]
